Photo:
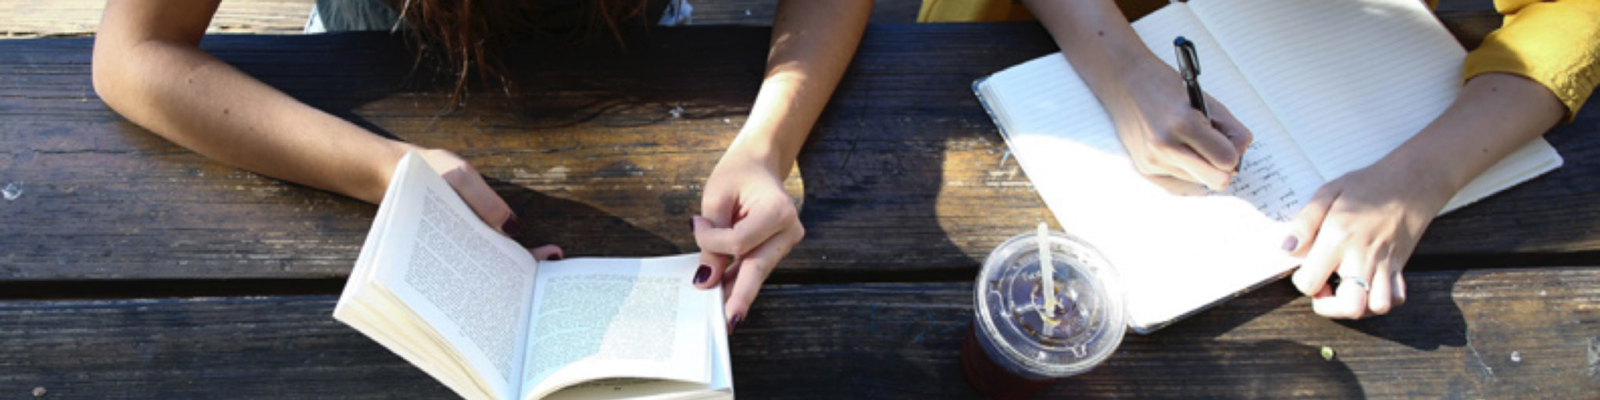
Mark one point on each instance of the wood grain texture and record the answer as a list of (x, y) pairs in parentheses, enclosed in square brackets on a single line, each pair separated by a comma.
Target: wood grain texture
[(56, 18), (1455, 339), (904, 177)]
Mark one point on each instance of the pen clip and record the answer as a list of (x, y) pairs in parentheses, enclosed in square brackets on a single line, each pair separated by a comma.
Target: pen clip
[(1188, 59)]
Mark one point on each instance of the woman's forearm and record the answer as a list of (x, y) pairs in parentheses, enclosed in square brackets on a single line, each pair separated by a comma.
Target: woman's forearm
[(812, 44), (149, 68), (1495, 115), (1102, 47)]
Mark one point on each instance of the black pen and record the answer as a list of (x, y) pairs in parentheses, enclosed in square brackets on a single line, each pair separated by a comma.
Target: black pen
[(1189, 67)]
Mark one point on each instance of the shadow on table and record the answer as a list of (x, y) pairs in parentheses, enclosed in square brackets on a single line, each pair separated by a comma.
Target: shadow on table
[(1429, 319), (1268, 369), (578, 228)]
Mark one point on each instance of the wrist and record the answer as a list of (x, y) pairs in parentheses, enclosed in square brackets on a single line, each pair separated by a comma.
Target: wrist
[(380, 168), (1144, 83), (761, 147), (1429, 174)]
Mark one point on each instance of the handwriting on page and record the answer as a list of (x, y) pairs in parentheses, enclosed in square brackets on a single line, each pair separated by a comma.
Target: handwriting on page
[(1264, 183)]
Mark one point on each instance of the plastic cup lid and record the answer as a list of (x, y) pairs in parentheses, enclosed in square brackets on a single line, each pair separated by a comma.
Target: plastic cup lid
[(1082, 330)]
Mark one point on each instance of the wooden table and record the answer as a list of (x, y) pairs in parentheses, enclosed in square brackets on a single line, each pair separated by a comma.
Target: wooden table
[(132, 268)]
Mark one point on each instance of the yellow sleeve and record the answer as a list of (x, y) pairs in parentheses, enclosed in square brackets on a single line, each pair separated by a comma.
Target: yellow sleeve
[(1555, 43), (972, 11)]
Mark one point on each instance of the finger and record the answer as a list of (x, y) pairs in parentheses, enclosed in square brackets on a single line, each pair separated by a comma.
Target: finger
[(1198, 170), (1348, 302), (764, 220), (1399, 288), (718, 208), (1212, 145), (1175, 186), (482, 199), (1356, 268), (753, 269), (1231, 128), (1381, 299), (1320, 263), (547, 252), (712, 264), (1305, 226)]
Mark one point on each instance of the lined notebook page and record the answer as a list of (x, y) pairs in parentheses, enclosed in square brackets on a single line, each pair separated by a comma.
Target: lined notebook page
[(1353, 79), (1175, 254)]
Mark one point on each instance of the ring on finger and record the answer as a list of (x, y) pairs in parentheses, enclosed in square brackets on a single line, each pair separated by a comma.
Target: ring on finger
[(1365, 287)]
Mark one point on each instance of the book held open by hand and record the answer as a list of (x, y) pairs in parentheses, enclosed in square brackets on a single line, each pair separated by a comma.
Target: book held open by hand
[(475, 310), (1326, 87)]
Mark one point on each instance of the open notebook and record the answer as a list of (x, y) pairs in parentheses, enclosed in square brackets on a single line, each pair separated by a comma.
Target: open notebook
[(1327, 87)]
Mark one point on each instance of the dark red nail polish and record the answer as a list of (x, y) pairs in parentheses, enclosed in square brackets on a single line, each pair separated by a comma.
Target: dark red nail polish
[(702, 274), (735, 323), (512, 227), (1290, 243), (556, 257)]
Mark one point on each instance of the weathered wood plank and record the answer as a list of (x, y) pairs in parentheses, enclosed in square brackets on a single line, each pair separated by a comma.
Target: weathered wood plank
[(1524, 333), (27, 18), (593, 159)]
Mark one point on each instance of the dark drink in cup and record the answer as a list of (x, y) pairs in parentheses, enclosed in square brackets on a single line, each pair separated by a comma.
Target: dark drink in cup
[(1021, 341)]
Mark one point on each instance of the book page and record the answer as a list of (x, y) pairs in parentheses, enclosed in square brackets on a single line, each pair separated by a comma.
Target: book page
[(617, 318), (1175, 254), (720, 386), (465, 280), (1351, 79)]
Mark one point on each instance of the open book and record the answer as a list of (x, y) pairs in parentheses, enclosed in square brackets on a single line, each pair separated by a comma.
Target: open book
[(476, 311), (1326, 87)]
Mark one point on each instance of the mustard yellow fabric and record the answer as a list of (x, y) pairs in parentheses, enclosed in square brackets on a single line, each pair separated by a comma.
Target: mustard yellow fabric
[(972, 11), (1555, 43)]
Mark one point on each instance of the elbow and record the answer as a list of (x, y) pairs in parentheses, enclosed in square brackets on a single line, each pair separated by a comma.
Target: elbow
[(107, 65)]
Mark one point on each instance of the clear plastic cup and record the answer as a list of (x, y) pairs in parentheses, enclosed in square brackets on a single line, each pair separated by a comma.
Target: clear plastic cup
[(1015, 346)]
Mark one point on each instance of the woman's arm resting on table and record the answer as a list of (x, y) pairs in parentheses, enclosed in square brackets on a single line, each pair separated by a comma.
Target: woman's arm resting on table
[(746, 217), (1364, 225), (1542, 65), (148, 66), (1169, 141)]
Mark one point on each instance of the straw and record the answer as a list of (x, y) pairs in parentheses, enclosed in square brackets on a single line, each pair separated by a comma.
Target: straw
[(1047, 269)]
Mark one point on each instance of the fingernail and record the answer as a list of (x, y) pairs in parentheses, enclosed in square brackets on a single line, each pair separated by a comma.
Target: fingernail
[(1290, 243), (702, 274), (512, 227), (556, 257), (691, 224), (735, 323)]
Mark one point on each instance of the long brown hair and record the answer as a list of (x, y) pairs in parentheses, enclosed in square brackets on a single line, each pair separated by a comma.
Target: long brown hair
[(468, 37)]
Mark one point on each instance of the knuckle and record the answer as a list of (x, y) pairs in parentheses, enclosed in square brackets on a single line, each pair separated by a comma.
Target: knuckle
[(1167, 140), (1380, 308), (787, 212), (1148, 164)]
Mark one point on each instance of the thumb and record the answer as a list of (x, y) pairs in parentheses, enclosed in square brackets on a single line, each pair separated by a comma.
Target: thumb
[(482, 199), (1305, 226), (712, 265)]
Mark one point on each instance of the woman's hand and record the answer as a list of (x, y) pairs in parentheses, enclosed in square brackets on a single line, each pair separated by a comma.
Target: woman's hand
[(1170, 141), (469, 184), (1363, 227), (747, 224)]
